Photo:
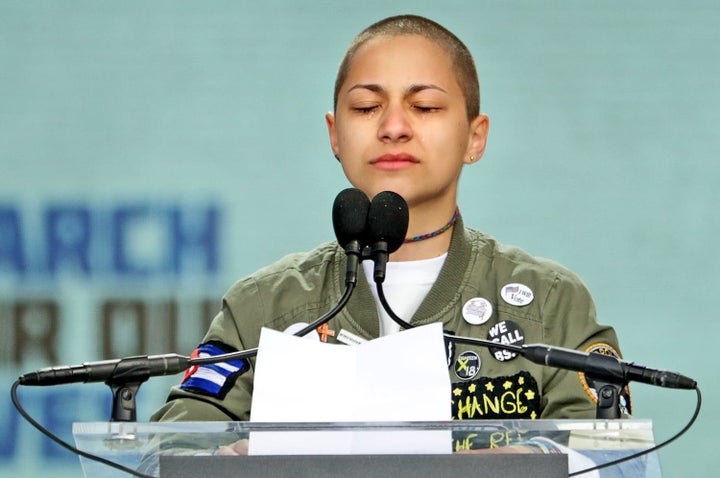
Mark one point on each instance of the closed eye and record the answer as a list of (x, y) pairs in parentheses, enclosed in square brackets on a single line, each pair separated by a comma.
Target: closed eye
[(426, 109), (365, 109)]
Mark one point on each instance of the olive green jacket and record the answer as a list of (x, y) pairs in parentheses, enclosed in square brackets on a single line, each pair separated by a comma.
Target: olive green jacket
[(301, 287)]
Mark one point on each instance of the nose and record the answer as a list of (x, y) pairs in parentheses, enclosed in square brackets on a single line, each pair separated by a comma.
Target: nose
[(394, 125)]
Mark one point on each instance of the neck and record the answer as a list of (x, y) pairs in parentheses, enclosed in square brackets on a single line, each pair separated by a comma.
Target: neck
[(423, 224), (427, 249)]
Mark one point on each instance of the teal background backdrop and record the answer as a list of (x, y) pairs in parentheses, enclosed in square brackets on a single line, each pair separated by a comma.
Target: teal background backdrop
[(127, 127)]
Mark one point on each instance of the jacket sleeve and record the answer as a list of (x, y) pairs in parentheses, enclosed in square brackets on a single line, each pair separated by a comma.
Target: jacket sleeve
[(569, 320), (187, 404)]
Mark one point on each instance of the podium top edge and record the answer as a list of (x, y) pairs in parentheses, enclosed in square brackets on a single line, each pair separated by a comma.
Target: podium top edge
[(459, 425)]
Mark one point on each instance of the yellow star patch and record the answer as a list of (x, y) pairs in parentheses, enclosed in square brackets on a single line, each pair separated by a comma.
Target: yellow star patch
[(471, 388), (530, 394), (533, 415), (507, 385), (521, 380), (457, 392), (489, 387)]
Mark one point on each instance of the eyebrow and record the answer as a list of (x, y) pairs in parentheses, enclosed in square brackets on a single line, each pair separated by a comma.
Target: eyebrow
[(412, 89)]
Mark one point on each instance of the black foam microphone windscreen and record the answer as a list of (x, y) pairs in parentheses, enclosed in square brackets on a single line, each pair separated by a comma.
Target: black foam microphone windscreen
[(349, 215), (388, 220)]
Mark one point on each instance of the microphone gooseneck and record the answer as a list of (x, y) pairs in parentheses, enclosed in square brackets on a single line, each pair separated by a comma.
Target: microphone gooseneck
[(391, 313), (349, 215)]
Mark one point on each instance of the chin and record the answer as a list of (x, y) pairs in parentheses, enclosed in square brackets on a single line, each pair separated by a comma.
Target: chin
[(373, 191), (401, 189)]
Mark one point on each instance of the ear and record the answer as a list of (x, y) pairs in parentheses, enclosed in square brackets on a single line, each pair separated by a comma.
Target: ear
[(332, 132), (478, 138)]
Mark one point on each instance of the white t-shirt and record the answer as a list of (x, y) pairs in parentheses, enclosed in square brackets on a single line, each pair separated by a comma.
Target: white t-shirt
[(406, 285)]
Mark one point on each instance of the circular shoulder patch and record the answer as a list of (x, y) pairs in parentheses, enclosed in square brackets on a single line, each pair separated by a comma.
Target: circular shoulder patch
[(604, 349), (590, 385)]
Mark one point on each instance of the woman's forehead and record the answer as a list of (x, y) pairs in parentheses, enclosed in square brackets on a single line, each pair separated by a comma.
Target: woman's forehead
[(403, 55)]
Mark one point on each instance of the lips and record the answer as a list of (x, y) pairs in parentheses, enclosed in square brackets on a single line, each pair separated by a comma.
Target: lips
[(392, 162)]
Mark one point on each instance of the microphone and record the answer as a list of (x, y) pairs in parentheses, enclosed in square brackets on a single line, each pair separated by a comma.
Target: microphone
[(126, 370), (599, 366), (604, 367), (387, 227), (349, 215), (387, 224)]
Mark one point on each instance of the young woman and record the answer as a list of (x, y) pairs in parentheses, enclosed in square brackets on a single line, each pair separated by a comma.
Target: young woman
[(407, 119)]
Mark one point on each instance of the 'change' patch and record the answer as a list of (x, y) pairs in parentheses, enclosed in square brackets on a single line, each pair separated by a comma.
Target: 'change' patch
[(213, 380), (510, 397)]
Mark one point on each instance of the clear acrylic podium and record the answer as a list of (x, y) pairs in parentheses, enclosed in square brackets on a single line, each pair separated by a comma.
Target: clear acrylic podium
[(417, 449)]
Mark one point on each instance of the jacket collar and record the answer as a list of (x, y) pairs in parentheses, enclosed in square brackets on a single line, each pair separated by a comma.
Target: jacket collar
[(443, 296)]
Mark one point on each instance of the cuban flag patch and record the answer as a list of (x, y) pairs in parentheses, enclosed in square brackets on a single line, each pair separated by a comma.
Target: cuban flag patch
[(213, 380)]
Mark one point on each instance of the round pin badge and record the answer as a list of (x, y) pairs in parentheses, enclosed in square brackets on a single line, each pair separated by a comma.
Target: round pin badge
[(467, 365), (506, 332), (477, 311), (517, 294)]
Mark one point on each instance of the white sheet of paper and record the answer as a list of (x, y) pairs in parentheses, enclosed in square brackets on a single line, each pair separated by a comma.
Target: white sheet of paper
[(400, 377)]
